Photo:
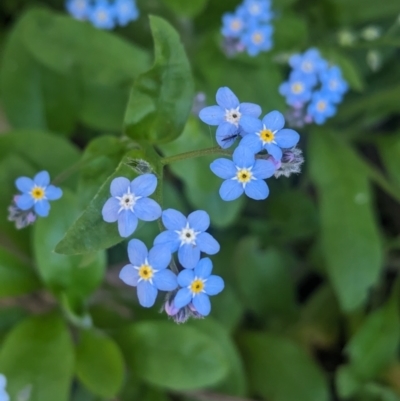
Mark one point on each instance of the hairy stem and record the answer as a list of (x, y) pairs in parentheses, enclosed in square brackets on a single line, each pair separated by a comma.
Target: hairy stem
[(215, 150)]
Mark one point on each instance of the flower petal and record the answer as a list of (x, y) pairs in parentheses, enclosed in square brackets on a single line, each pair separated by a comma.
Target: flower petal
[(53, 193), (203, 268), (129, 275), (213, 115), (253, 142), (165, 280), (263, 169), (169, 238), (214, 285), (119, 186), (24, 184), (199, 220), (243, 156), (226, 98), (250, 124), (207, 243), (147, 293), (25, 202), (42, 179), (159, 256), (257, 190), (137, 252), (202, 304), (42, 208), (287, 138), (110, 210), (173, 219), (274, 121), (182, 298), (189, 256), (226, 134), (127, 223), (147, 209), (223, 168), (230, 190), (274, 150), (185, 277), (250, 109), (144, 185)]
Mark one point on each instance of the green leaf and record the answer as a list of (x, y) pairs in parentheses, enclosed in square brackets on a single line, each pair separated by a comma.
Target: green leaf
[(43, 345), (161, 98), (99, 363), (350, 238), (281, 371), (16, 277), (173, 357), (293, 38), (186, 8), (74, 274)]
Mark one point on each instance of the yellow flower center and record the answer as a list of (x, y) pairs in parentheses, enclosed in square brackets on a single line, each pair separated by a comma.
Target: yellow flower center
[(257, 38), (236, 25), (244, 175), (297, 87), (37, 193), (197, 286), (146, 272), (266, 135), (321, 105)]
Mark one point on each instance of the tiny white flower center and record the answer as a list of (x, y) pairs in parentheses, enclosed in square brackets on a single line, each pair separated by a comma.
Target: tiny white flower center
[(307, 66), (80, 5), (101, 16), (255, 9), (127, 201), (187, 236), (297, 88), (333, 84), (197, 286), (233, 116)]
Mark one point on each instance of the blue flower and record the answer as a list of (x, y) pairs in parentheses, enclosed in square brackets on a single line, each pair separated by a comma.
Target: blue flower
[(148, 271), (321, 107), (79, 9), (37, 193), (197, 285), (130, 202), (232, 25), (125, 11), (102, 15), (259, 10), (187, 236), (269, 134), (334, 84), (310, 63), (244, 174), (258, 38), (229, 115), (297, 90), (3, 393)]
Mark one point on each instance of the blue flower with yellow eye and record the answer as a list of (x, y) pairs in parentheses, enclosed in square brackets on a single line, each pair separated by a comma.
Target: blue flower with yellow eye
[(333, 83), (309, 63), (102, 14), (257, 39), (125, 11), (321, 107), (297, 90), (78, 9), (257, 10), (232, 25)]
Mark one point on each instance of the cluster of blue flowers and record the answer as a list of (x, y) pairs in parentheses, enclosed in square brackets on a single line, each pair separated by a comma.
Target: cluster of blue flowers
[(189, 290), (266, 148), (33, 200), (249, 27), (104, 14), (314, 88)]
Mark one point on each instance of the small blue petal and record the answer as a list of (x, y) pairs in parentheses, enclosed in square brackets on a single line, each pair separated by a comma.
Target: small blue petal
[(199, 220), (203, 268), (243, 156), (147, 293), (226, 98), (129, 275), (119, 186), (185, 277), (223, 168), (226, 134), (169, 238), (110, 210), (230, 190), (213, 115), (274, 121), (24, 184), (253, 142), (207, 243), (263, 169), (257, 190), (165, 280), (274, 150), (127, 223), (173, 220), (250, 124), (214, 285), (250, 109), (53, 193), (182, 298), (42, 179), (188, 256), (25, 202), (42, 208), (137, 252), (144, 185), (147, 209), (202, 304), (287, 138), (159, 256)]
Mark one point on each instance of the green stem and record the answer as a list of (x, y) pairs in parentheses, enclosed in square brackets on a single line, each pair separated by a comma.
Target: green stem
[(216, 150)]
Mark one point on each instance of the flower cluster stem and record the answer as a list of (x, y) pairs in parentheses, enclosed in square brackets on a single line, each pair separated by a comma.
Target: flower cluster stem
[(215, 150)]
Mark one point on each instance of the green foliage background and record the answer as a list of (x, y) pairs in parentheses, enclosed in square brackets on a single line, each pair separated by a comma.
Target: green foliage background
[(311, 306)]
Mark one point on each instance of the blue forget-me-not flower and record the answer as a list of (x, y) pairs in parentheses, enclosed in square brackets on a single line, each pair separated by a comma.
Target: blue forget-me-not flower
[(244, 174), (125, 11), (79, 9), (258, 10), (309, 63), (230, 116), (148, 271), (257, 39), (297, 90), (232, 25), (321, 107), (101, 15), (197, 285), (333, 83), (3, 393), (130, 202), (36, 193), (187, 236)]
